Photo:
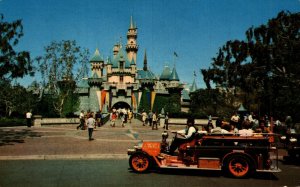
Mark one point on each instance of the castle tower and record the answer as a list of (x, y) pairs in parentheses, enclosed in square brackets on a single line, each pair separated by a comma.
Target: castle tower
[(132, 46), (97, 64)]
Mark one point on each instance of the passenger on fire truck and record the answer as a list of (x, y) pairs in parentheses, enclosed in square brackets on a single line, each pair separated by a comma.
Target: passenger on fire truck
[(183, 135)]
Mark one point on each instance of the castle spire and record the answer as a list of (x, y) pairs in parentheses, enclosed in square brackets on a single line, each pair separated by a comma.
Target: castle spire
[(131, 23), (193, 88), (132, 46), (145, 61)]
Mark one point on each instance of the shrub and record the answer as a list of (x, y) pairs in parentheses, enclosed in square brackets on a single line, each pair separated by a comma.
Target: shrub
[(8, 122)]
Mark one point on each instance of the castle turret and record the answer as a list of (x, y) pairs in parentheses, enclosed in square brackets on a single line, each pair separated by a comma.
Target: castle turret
[(132, 46), (97, 64)]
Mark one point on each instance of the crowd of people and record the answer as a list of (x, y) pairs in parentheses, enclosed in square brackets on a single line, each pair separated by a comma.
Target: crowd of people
[(153, 119), (125, 115), (245, 125), (248, 124)]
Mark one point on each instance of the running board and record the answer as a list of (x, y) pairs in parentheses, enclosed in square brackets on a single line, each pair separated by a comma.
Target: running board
[(194, 167)]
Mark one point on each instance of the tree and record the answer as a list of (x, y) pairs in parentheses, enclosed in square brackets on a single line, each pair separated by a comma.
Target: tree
[(62, 66), (12, 64), (205, 102), (12, 99), (265, 66)]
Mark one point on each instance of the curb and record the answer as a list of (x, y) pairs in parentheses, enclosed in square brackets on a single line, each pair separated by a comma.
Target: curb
[(66, 157)]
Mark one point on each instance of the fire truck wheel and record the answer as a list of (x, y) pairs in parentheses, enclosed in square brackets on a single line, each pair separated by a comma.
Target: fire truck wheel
[(139, 162), (238, 166)]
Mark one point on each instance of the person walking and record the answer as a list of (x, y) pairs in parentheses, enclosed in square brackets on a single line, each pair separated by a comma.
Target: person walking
[(150, 118), (91, 124), (154, 121), (81, 120), (130, 115), (29, 118), (144, 117), (113, 118), (166, 126), (123, 119), (98, 119)]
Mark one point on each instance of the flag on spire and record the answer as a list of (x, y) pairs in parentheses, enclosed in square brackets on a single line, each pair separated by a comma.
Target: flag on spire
[(195, 74), (175, 54)]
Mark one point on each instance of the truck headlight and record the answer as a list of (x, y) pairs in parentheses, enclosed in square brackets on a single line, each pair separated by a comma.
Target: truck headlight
[(283, 137), (293, 140)]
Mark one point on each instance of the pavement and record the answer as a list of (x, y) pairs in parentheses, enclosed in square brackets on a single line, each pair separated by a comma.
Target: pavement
[(66, 142), (57, 142)]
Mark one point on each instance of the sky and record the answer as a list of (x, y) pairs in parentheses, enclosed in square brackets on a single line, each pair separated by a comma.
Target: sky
[(193, 29)]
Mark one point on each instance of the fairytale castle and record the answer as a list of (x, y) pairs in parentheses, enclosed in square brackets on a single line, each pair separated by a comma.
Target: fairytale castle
[(118, 82)]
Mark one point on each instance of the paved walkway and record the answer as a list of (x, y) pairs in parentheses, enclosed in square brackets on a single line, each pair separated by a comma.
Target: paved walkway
[(65, 142)]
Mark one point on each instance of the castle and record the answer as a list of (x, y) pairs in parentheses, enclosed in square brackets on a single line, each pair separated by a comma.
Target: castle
[(118, 82)]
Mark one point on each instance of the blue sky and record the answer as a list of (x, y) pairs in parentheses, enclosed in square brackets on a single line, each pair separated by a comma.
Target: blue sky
[(194, 29)]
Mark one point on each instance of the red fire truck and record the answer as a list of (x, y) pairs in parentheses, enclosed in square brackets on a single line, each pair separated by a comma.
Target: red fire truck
[(236, 155)]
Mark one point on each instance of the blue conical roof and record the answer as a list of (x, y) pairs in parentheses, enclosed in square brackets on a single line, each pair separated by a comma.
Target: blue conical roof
[(242, 108), (193, 87), (174, 76), (145, 75), (165, 74), (96, 57)]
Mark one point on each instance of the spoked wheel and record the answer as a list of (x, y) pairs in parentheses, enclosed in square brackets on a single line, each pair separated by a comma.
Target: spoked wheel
[(139, 162), (238, 166)]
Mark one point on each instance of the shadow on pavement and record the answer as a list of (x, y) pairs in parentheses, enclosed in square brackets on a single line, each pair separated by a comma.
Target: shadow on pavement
[(11, 136), (208, 173), (288, 160)]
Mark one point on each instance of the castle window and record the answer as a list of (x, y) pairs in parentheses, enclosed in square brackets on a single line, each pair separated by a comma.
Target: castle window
[(121, 78), (121, 65)]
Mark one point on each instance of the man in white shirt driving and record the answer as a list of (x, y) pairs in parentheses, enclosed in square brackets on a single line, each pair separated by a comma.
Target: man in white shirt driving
[(183, 135)]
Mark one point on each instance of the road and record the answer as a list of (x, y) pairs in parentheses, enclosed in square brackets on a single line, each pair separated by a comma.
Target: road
[(63, 173)]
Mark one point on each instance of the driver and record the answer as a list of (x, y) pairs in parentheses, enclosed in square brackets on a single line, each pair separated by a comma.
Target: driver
[(183, 135)]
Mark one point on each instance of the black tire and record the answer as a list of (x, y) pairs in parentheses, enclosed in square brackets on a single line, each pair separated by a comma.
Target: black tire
[(140, 162), (238, 166)]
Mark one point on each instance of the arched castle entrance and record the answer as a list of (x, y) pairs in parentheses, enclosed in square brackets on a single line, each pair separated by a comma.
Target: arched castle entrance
[(121, 104)]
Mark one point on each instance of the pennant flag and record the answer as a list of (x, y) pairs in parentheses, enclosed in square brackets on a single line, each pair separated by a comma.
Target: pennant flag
[(133, 101), (99, 98), (103, 95), (139, 97), (195, 73), (107, 100), (175, 54), (153, 94)]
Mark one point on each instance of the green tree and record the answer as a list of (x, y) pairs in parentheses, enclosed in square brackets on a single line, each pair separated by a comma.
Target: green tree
[(173, 103), (16, 99), (265, 66), (205, 102), (13, 64), (160, 102), (62, 66)]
